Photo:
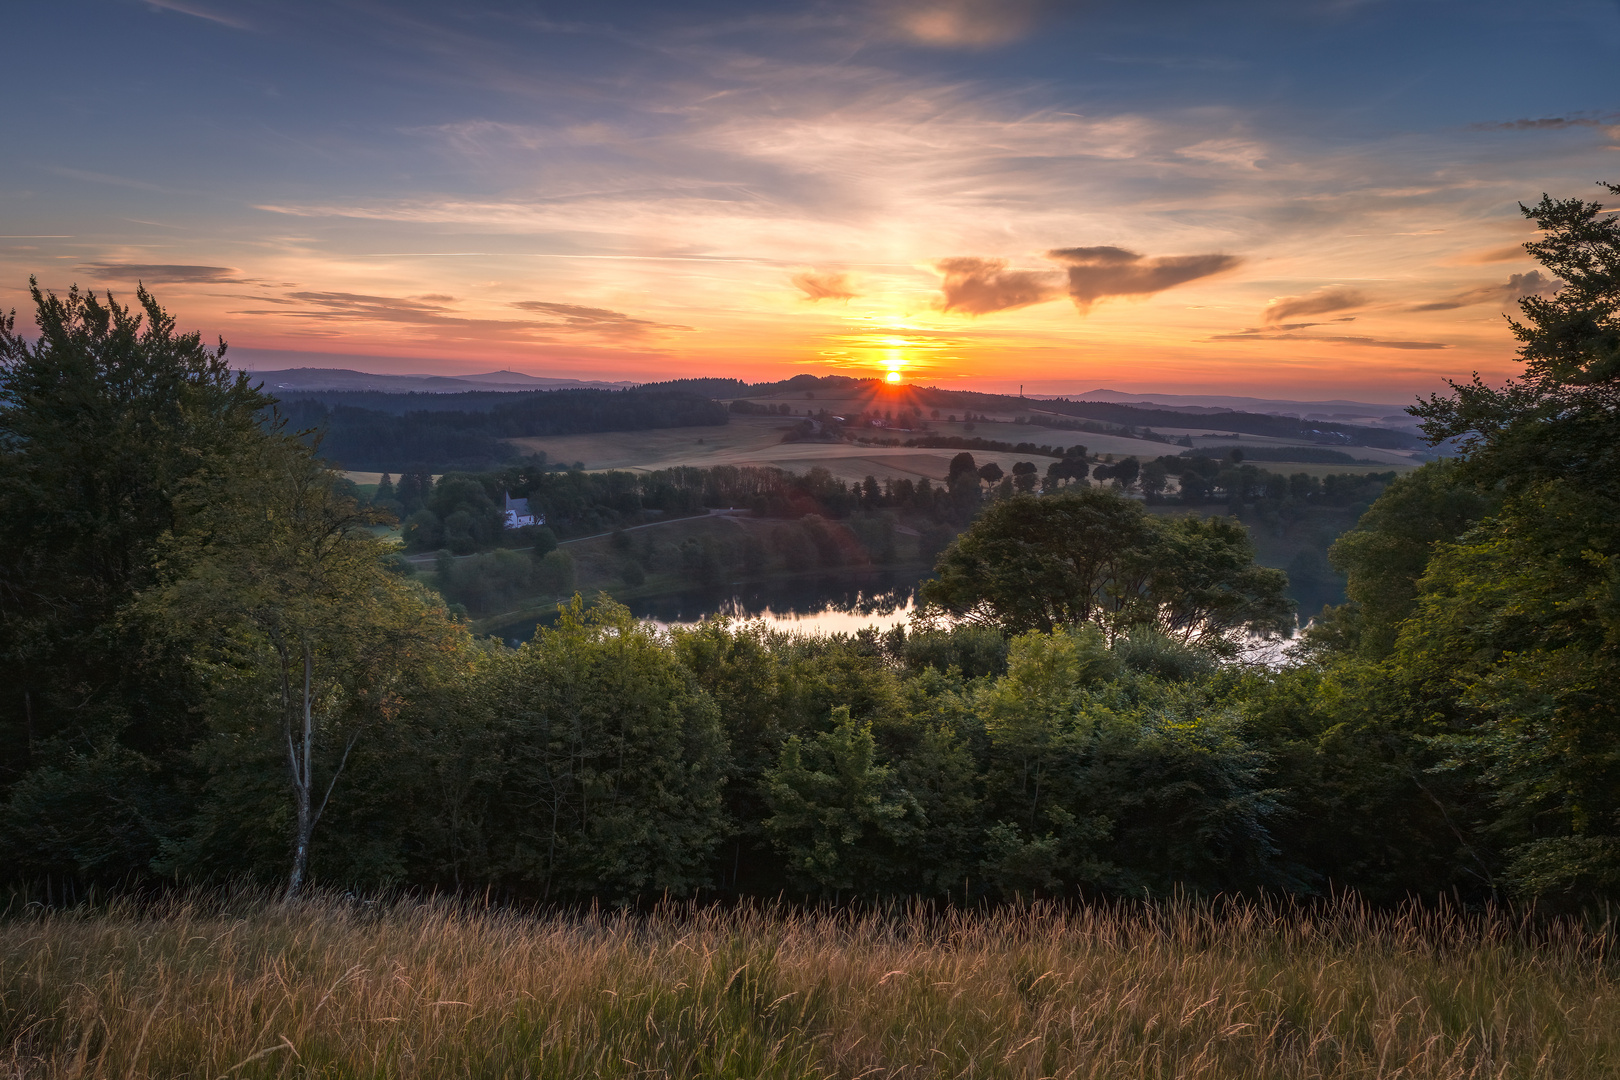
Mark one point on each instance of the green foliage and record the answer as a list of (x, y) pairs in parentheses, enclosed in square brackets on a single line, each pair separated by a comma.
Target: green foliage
[(302, 638), (1389, 549), (1090, 555), (838, 816), (103, 418), (612, 762)]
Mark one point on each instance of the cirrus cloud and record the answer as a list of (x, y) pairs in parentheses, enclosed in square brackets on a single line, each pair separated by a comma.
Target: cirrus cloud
[(165, 273)]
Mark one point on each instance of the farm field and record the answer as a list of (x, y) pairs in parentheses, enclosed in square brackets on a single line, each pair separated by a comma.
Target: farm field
[(752, 440), (335, 988)]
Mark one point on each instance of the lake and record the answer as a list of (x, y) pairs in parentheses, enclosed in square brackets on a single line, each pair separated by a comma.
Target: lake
[(815, 604)]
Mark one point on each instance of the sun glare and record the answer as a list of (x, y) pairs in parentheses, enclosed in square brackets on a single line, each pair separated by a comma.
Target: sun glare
[(893, 377)]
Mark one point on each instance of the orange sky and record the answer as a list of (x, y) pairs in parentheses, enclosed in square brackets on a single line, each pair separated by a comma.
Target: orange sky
[(950, 189)]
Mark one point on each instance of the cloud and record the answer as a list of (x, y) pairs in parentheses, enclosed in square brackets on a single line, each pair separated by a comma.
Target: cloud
[(1270, 333), (1511, 253), (979, 286), (1546, 123), (165, 273), (1321, 301), (825, 286), (199, 12), (962, 23), (430, 311), (578, 317), (1099, 272), (1518, 286)]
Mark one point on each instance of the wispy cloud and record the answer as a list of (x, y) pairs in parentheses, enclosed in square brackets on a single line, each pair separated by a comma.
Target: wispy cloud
[(961, 23), (1266, 333), (597, 320), (1545, 123), (1323, 301), (200, 11), (165, 273), (831, 285), (434, 313), (1516, 288)]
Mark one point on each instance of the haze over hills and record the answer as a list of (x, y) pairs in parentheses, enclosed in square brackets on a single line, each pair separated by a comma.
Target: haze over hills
[(1358, 412), (304, 380)]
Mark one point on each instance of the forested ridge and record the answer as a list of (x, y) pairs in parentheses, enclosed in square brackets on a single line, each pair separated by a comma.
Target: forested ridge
[(216, 673), (367, 430)]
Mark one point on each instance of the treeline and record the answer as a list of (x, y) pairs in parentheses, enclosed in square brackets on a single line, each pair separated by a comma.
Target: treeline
[(462, 511), (369, 438)]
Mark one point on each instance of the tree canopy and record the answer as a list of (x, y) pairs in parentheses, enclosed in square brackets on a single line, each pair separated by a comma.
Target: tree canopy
[(1093, 556)]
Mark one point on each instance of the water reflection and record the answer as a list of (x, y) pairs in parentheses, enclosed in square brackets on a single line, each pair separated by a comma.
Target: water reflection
[(822, 604)]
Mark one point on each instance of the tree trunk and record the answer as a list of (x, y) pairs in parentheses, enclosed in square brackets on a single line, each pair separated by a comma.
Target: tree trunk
[(301, 786)]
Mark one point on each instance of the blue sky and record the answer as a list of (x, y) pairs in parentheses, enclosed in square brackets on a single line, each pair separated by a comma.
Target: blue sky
[(1282, 197)]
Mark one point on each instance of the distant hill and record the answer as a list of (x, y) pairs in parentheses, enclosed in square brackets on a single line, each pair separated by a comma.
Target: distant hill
[(1279, 424), (297, 380), (399, 435), (1337, 409)]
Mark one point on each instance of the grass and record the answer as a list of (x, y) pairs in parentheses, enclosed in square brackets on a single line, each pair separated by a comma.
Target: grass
[(338, 989)]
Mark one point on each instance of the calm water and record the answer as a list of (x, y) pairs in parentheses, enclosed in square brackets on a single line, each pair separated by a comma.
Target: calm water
[(824, 604)]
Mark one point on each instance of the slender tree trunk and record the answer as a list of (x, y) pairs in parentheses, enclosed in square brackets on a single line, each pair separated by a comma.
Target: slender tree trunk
[(301, 787)]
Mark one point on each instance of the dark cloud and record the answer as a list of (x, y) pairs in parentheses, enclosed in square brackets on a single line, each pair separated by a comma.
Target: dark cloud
[(825, 286), (166, 273), (1096, 273), (980, 286), (1518, 286), (1321, 301)]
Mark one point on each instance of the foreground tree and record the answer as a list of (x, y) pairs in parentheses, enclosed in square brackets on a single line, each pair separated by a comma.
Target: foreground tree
[(1093, 556), (1518, 619), (103, 418), (277, 583)]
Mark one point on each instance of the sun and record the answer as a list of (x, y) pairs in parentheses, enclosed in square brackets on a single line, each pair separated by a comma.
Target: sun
[(892, 377)]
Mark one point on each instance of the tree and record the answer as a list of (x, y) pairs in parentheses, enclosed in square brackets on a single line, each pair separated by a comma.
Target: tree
[(1388, 551), (274, 577), (963, 470), (838, 815), (1090, 555), (990, 472), (1518, 618), (103, 418), (615, 761)]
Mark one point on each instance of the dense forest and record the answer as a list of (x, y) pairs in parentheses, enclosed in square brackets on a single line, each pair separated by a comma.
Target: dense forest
[(216, 671), (393, 431)]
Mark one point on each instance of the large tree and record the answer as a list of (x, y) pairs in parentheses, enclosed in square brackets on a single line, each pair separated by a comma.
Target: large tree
[(103, 418), (277, 584), (1094, 556), (1519, 618)]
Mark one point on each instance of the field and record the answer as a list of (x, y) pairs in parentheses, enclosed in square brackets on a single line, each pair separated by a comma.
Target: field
[(753, 440), (343, 989)]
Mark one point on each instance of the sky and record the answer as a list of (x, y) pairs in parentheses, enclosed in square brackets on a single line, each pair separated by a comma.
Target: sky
[(1300, 198)]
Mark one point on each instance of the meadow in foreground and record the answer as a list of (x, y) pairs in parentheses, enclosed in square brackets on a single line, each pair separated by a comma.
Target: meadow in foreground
[(326, 988)]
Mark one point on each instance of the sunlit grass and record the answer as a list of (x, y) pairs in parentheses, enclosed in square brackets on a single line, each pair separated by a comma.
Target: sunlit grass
[(334, 989)]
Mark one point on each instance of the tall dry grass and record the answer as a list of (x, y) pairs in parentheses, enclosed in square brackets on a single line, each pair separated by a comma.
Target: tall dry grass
[(328, 989)]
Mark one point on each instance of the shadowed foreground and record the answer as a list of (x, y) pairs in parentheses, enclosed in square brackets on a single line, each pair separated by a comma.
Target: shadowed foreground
[(325, 989)]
